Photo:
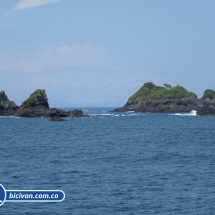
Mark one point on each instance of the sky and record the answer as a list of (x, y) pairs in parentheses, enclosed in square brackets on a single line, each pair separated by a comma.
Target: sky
[(98, 53)]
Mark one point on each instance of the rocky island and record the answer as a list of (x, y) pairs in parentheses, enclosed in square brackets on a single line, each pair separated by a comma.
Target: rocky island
[(168, 99), (35, 106)]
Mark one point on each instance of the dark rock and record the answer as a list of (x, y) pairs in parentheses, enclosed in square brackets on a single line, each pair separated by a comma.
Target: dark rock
[(55, 112), (57, 119), (37, 98), (203, 107), (7, 107), (39, 111), (77, 114)]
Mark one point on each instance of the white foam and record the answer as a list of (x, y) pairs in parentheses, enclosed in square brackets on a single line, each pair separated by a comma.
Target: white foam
[(10, 116), (113, 115), (136, 114), (192, 113), (102, 114), (178, 114)]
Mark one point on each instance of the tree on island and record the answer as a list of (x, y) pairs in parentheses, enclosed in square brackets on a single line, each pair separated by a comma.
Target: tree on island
[(167, 86)]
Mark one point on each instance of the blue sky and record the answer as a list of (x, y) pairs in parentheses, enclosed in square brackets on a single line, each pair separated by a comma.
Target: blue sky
[(100, 52)]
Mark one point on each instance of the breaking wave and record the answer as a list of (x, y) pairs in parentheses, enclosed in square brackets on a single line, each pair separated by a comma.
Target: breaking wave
[(114, 114), (192, 113)]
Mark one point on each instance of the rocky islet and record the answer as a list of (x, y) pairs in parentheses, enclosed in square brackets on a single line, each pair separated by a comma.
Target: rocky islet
[(156, 99), (35, 106)]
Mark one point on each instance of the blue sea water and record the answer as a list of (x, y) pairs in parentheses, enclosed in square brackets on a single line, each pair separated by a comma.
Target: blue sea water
[(112, 163)]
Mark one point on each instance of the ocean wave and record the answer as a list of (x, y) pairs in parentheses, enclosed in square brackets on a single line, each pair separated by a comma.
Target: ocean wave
[(192, 113)]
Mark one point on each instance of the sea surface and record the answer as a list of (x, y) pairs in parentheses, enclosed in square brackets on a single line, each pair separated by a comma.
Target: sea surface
[(112, 163)]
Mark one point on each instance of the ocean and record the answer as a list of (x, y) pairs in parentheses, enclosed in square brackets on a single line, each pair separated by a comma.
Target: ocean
[(111, 163)]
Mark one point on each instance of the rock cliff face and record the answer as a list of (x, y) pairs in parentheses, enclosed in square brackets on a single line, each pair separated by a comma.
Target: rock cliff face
[(156, 99), (7, 107), (35, 106), (37, 98)]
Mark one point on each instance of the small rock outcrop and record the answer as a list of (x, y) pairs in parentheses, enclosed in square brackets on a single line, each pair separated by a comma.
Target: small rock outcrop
[(57, 119), (77, 114), (7, 107), (156, 99)]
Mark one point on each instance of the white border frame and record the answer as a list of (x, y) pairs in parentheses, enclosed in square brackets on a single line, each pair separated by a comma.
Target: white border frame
[(5, 194)]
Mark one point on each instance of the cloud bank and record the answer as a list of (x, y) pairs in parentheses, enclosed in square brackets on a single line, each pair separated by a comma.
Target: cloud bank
[(24, 4), (84, 56)]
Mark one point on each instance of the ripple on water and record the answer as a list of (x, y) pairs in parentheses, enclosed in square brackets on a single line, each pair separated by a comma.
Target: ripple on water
[(145, 164)]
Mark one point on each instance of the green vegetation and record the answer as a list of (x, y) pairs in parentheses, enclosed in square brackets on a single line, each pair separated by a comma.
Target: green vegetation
[(33, 97), (210, 94), (3, 96), (151, 91)]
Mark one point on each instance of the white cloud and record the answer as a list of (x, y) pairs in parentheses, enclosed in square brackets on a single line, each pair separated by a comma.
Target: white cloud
[(84, 56), (24, 4)]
